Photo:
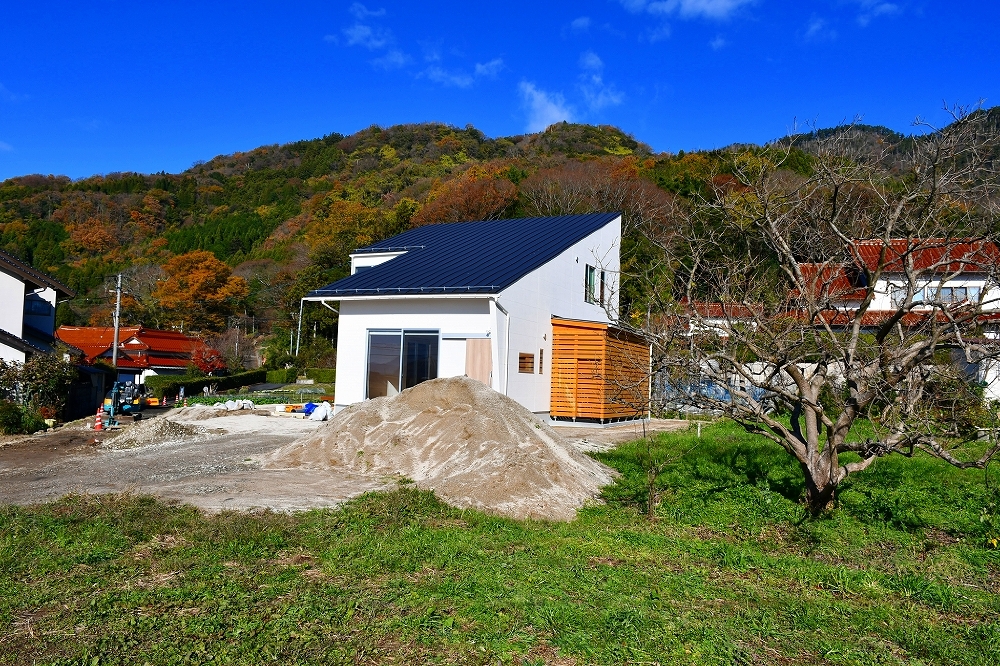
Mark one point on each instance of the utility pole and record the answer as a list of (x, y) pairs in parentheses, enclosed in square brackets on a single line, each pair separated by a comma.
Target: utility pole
[(118, 314)]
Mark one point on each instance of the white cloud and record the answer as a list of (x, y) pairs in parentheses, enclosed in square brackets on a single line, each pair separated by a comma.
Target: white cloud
[(581, 23), (871, 9), (445, 78), (461, 79), (393, 59), (818, 30), (544, 108), (5, 147), (590, 60), (717, 43), (361, 12), (658, 34), (489, 69), (366, 36), (597, 93), (711, 9)]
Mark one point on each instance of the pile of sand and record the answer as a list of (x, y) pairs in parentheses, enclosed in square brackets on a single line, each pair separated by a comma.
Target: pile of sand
[(204, 412), (469, 444), (150, 431)]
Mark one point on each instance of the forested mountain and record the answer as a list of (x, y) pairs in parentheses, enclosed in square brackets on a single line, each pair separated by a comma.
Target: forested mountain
[(271, 223)]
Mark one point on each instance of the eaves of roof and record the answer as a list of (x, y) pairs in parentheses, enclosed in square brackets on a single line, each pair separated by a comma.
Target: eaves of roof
[(465, 258), (29, 275), (21, 345), (941, 255)]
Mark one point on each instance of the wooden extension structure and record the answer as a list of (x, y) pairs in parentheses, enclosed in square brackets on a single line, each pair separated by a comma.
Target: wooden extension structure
[(599, 373)]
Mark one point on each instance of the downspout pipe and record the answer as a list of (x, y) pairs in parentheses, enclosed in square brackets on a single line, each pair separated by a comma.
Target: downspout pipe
[(506, 343)]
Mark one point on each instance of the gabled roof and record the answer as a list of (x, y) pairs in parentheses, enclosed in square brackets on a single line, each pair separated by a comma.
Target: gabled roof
[(941, 255), (466, 257), (29, 275), (832, 281), (155, 349)]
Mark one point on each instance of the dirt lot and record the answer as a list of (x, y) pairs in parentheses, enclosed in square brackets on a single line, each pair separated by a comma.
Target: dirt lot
[(215, 465)]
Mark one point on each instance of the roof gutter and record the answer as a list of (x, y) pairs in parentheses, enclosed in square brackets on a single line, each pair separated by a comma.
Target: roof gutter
[(372, 297)]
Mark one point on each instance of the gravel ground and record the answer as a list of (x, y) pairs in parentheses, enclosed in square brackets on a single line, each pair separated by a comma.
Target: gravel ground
[(217, 466)]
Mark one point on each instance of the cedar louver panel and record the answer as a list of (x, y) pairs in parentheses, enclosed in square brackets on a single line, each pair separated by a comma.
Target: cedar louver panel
[(598, 373)]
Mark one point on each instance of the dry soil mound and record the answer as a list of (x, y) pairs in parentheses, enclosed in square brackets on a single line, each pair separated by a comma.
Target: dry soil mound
[(469, 444), (150, 431)]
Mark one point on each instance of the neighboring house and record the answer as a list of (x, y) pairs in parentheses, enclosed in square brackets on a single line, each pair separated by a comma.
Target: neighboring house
[(142, 352), (521, 305), (940, 273), (944, 272), (28, 301)]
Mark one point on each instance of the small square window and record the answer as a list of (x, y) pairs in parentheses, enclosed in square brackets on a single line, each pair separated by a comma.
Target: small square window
[(526, 363)]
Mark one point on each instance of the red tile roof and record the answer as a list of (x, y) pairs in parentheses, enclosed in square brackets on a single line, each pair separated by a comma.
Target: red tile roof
[(138, 347), (831, 281), (943, 255)]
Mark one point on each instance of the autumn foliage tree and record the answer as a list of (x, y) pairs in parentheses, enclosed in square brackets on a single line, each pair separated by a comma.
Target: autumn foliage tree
[(199, 291), (469, 199), (208, 360)]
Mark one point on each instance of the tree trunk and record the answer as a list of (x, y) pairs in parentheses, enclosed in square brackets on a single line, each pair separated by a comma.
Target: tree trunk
[(820, 489)]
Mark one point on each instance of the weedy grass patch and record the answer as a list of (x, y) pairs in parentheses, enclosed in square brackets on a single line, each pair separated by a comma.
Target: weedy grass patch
[(730, 572)]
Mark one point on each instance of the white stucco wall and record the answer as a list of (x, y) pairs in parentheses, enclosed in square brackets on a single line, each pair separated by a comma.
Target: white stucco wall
[(369, 259), (454, 318), (10, 354), (557, 288), (883, 289), (11, 304)]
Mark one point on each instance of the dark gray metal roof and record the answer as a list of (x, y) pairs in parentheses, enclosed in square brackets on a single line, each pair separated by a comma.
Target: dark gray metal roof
[(466, 257), (19, 344), (14, 266)]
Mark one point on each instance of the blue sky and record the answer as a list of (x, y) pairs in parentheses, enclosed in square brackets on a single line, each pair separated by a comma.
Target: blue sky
[(109, 86)]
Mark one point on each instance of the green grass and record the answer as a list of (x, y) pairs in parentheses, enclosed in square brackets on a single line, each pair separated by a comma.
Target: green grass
[(731, 573)]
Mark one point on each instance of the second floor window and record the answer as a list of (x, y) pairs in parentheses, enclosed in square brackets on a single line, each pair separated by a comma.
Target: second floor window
[(593, 287)]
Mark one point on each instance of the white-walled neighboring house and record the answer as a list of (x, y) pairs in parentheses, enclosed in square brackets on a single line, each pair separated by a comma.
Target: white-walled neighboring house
[(937, 271), (499, 301), (922, 276), (913, 279), (28, 300)]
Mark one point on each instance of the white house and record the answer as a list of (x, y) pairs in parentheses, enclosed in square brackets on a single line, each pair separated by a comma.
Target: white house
[(913, 278), (28, 301), (491, 300)]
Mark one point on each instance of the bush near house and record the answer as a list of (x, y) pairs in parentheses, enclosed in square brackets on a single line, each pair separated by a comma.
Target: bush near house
[(289, 375), (322, 375), (282, 376), (166, 385)]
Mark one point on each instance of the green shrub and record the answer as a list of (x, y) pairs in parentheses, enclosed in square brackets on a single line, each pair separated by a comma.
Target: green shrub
[(171, 385), (322, 375), (17, 420), (11, 419), (282, 376)]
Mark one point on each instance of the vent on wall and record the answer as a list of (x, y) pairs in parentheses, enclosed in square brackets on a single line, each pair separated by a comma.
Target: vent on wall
[(526, 363)]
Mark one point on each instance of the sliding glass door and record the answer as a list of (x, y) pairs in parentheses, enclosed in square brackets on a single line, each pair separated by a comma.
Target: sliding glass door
[(399, 360)]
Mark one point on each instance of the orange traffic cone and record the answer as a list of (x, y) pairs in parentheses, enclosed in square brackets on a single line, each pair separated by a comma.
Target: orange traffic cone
[(185, 402), (98, 424)]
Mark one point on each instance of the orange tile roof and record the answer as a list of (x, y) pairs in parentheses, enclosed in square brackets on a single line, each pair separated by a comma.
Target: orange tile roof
[(943, 255), (138, 347)]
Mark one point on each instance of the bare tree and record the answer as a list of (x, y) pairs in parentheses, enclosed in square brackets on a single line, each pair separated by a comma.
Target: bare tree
[(863, 287)]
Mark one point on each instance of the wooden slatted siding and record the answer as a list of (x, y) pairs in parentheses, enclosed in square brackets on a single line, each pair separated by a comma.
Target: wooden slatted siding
[(599, 373)]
